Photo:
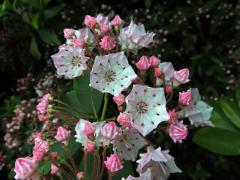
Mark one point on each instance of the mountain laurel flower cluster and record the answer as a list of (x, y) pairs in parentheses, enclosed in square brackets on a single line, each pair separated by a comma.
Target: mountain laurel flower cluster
[(117, 105)]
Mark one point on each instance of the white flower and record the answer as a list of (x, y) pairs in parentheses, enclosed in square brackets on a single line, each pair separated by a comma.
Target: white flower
[(198, 112), (168, 71), (128, 143), (111, 73), (84, 34), (70, 61), (147, 106), (135, 37), (159, 162), (82, 137)]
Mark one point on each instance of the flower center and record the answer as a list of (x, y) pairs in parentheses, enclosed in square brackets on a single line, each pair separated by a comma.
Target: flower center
[(141, 107), (110, 76), (76, 61)]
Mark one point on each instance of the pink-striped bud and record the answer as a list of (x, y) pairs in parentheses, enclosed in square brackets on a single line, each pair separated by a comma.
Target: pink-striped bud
[(110, 130), (103, 28), (107, 43), (25, 167), (119, 99), (182, 76), (173, 116), (90, 21), (154, 61), (80, 176), (78, 42), (62, 134), (125, 120), (54, 169), (113, 163), (178, 131), (185, 98), (158, 72), (168, 89), (117, 21), (89, 129), (68, 33), (143, 64), (90, 146)]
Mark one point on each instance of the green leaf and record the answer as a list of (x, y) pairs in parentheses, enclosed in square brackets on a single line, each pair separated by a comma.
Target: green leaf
[(73, 146), (231, 111), (237, 53), (210, 4), (221, 121), (53, 11), (11, 175), (218, 140), (49, 37), (237, 94), (148, 3), (34, 49), (6, 5), (90, 100), (44, 167), (33, 3), (126, 171), (71, 99), (35, 20)]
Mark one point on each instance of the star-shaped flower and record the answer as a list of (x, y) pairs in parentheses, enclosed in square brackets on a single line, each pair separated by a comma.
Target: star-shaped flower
[(83, 34), (147, 106), (111, 73), (198, 112), (135, 37), (82, 137), (159, 162), (70, 61), (168, 72), (128, 143)]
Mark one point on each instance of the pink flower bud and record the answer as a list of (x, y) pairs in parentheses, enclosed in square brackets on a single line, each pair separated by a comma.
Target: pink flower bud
[(185, 98), (38, 154), (40, 148), (41, 117), (158, 72), (143, 63), (42, 106), (53, 156), (125, 120), (89, 129), (110, 130), (113, 163), (178, 131), (90, 21), (107, 43), (79, 43), (103, 28), (62, 134), (68, 33), (117, 21), (154, 61), (168, 89), (90, 146), (25, 167), (80, 176), (119, 99), (182, 75), (54, 169), (173, 116)]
